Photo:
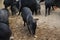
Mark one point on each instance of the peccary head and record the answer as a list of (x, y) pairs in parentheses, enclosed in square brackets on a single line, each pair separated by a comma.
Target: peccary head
[(14, 7), (32, 26)]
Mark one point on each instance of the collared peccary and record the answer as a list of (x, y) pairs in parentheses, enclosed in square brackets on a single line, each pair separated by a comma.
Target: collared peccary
[(15, 7), (57, 3), (48, 5), (29, 20), (37, 9), (8, 3), (5, 31), (4, 15), (32, 4)]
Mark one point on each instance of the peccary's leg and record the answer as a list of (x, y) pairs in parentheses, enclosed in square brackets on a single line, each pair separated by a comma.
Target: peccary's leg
[(49, 10)]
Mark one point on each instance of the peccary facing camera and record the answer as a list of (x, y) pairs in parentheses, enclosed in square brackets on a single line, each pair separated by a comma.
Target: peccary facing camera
[(28, 19), (15, 7)]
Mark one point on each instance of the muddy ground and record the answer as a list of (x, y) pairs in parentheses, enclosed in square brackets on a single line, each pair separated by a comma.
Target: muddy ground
[(48, 28)]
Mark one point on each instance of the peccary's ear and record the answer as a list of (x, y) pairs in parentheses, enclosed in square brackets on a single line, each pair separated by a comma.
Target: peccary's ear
[(36, 19)]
